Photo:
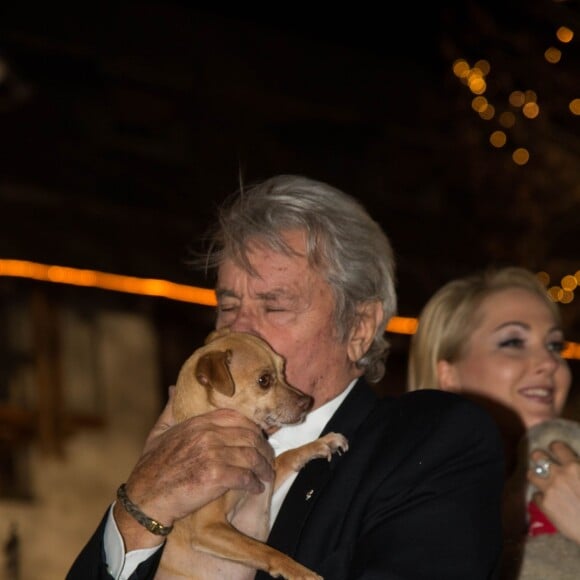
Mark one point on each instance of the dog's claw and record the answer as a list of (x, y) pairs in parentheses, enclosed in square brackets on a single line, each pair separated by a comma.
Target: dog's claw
[(335, 443)]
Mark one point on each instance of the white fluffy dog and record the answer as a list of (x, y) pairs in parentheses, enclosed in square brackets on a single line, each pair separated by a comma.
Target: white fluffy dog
[(550, 556)]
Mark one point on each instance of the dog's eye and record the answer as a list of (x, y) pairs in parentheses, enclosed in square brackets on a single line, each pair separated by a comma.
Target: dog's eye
[(265, 380)]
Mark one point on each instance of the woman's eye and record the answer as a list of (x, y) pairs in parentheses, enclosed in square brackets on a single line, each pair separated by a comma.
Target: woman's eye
[(512, 342), (265, 380), (557, 346)]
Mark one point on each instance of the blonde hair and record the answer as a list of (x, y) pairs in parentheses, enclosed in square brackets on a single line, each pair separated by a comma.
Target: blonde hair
[(452, 314)]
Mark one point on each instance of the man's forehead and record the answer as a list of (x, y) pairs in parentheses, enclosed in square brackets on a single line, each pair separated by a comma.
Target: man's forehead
[(267, 269), (292, 239), (262, 290), (294, 286)]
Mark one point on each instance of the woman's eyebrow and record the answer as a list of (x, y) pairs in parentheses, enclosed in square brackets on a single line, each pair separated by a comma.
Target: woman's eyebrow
[(519, 323), (524, 326)]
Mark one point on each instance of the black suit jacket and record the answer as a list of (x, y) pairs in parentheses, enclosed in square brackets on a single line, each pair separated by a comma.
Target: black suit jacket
[(417, 496)]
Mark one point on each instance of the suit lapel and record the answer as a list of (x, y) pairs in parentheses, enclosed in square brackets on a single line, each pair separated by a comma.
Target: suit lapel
[(313, 477)]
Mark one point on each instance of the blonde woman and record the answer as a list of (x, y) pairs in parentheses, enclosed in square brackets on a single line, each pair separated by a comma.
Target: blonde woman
[(497, 337)]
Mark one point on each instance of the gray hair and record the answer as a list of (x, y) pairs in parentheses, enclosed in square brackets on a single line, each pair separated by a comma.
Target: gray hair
[(343, 243)]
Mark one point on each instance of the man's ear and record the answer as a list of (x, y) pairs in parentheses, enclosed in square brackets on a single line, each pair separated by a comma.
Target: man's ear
[(369, 318), (447, 377)]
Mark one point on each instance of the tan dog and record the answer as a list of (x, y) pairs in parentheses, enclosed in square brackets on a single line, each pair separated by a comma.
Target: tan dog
[(239, 371), (550, 556)]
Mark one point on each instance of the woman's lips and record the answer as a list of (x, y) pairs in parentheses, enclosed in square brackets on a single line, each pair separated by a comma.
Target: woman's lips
[(541, 394)]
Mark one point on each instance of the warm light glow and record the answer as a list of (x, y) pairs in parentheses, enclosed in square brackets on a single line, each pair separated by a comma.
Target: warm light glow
[(569, 282), (530, 96), (566, 297), (572, 350), (521, 156), (564, 34), (483, 66), (575, 107), (531, 110), (477, 84), (517, 99), (498, 139), (461, 68), (479, 104), (544, 278), (507, 119), (553, 55), (488, 113), (401, 325), (173, 291), (115, 282), (555, 293)]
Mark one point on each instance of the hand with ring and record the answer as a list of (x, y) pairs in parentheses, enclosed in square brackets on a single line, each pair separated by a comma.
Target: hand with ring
[(541, 468), (557, 479)]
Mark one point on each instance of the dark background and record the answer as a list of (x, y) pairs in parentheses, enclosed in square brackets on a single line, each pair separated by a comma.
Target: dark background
[(123, 125)]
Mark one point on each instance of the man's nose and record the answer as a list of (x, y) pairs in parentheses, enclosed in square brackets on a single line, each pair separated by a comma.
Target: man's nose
[(244, 321)]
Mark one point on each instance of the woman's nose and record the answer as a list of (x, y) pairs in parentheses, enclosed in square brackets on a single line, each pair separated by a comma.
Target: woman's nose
[(548, 360)]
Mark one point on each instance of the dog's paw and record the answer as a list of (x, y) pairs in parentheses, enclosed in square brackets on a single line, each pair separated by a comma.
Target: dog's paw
[(333, 443), (295, 459), (291, 570)]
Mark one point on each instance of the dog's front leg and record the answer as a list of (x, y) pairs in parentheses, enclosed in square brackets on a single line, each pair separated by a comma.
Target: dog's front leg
[(249, 513), (221, 539), (222, 551), (294, 460)]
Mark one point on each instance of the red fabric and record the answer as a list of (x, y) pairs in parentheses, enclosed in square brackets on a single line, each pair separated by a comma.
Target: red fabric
[(539, 523)]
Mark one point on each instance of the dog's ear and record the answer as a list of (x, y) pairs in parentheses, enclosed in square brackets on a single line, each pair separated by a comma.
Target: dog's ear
[(213, 371)]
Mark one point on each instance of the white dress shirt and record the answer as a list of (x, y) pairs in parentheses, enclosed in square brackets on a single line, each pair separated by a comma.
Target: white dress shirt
[(121, 565)]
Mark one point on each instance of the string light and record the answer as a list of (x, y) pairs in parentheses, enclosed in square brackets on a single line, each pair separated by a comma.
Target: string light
[(165, 289), (526, 102)]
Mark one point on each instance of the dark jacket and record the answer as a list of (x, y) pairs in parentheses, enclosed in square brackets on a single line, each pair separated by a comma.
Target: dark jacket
[(417, 495)]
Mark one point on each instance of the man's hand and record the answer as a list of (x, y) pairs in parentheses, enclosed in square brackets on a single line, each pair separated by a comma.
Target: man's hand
[(186, 465)]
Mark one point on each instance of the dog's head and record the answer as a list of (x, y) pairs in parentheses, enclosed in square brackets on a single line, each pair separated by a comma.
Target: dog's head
[(240, 371)]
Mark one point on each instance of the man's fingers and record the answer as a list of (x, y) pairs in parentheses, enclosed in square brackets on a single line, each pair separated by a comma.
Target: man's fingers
[(251, 460), (242, 478)]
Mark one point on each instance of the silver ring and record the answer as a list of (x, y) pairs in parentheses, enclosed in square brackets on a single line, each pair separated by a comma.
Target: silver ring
[(542, 468)]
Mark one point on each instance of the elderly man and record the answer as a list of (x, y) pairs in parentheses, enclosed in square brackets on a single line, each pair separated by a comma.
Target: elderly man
[(302, 265)]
